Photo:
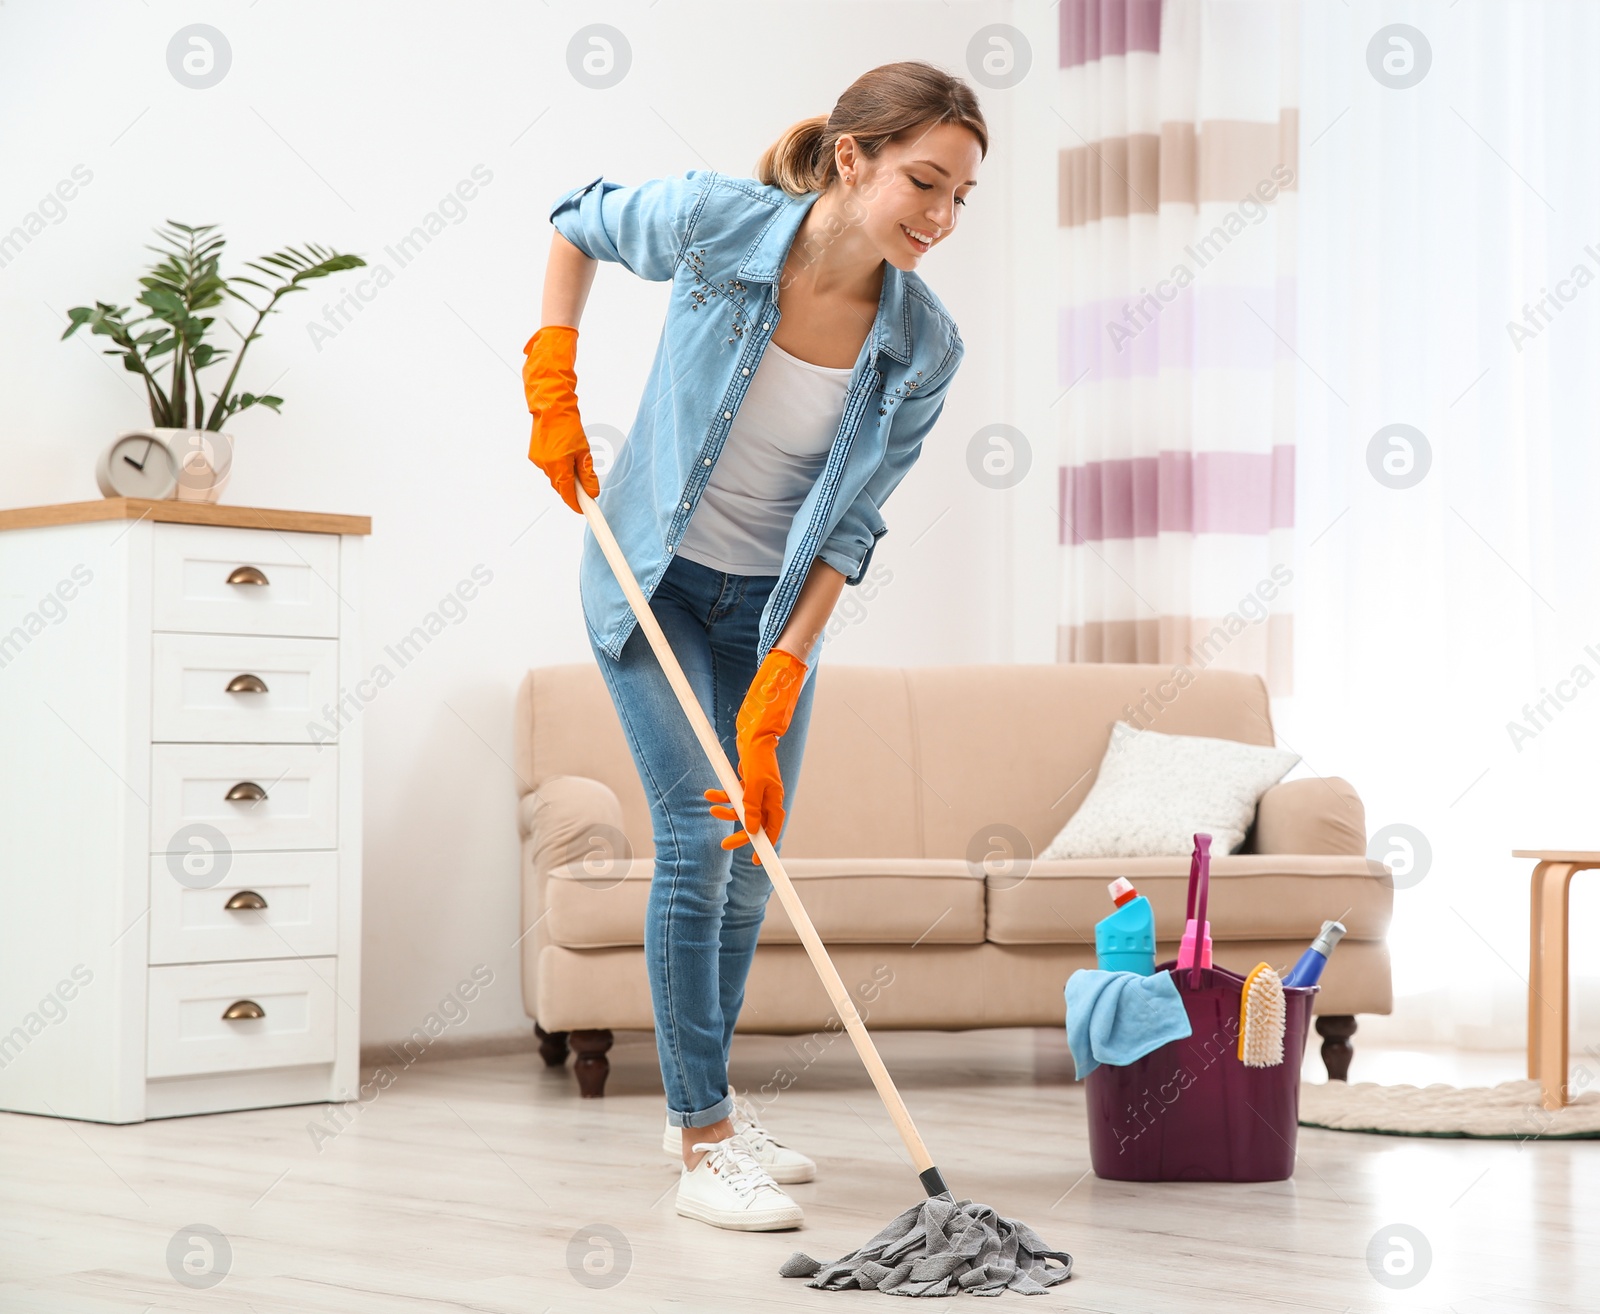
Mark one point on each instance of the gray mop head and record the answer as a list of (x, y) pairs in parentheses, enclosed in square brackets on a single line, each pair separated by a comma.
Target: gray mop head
[(942, 1247)]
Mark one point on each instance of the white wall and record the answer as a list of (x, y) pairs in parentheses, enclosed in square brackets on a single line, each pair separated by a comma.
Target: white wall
[(347, 124)]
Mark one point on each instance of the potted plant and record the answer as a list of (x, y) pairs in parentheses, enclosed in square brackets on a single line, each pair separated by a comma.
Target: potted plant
[(185, 453)]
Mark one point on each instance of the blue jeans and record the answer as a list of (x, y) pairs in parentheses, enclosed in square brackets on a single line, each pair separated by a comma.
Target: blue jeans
[(706, 903)]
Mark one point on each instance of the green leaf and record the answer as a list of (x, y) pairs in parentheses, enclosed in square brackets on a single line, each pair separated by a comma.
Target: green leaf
[(168, 305), (249, 399), (79, 316), (337, 264)]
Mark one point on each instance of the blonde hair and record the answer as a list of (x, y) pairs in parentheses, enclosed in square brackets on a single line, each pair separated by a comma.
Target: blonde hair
[(875, 109)]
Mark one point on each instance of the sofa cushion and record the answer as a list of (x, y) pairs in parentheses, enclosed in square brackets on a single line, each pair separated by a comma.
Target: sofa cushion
[(849, 901), (1015, 749), (861, 734), (1154, 791), (1253, 897), (861, 730)]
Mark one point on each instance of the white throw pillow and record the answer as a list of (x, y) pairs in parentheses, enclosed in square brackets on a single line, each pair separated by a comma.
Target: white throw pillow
[(1155, 791)]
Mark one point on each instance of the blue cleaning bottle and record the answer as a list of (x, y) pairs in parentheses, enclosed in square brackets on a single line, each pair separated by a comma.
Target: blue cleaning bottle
[(1125, 941), (1308, 971)]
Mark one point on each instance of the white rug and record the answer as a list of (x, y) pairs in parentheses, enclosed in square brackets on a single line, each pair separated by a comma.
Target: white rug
[(1512, 1110)]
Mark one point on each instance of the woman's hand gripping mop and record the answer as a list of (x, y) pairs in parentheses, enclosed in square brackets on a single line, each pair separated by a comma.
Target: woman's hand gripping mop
[(942, 1246)]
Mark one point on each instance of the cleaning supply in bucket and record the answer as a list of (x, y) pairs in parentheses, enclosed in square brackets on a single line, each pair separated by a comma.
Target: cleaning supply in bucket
[(1308, 971), (1197, 927), (1186, 946), (1261, 1018), (1119, 1017), (1125, 941)]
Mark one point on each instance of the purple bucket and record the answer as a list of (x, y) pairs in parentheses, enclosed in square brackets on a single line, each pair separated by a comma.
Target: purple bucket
[(1191, 1111)]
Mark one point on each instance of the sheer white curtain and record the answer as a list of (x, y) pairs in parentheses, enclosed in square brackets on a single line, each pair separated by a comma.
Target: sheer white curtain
[(1177, 222), (1446, 589)]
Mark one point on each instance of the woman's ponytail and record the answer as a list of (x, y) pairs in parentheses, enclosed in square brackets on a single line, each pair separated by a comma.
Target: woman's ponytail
[(795, 162), (875, 109)]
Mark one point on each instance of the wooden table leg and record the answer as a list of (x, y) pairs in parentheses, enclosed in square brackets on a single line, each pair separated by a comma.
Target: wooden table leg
[(1550, 988), (1535, 969)]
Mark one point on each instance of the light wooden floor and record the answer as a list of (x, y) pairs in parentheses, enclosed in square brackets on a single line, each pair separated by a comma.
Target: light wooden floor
[(474, 1184)]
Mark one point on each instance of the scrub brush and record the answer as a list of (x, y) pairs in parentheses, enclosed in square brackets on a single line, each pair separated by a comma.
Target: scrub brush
[(1261, 1019)]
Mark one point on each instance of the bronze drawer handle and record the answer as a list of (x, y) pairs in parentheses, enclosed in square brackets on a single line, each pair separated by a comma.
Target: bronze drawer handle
[(246, 684), (245, 899), (246, 575), (246, 791), (243, 1010)]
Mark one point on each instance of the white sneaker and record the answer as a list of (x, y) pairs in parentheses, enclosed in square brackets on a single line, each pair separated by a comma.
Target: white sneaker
[(782, 1163), (728, 1188)]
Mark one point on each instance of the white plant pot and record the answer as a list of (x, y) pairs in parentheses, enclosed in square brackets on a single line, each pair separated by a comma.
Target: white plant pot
[(202, 458)]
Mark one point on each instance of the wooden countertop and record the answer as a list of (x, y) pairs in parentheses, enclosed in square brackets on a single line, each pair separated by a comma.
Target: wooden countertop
[(183, 513)]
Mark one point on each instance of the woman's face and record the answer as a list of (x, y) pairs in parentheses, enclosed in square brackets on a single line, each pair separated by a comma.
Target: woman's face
[(911, 196)]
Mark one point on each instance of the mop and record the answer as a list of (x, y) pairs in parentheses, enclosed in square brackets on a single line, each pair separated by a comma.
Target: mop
[(941, 1246)]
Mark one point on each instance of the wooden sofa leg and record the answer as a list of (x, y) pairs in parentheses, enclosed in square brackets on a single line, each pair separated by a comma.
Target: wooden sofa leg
[(1336, 1030), (552, 1046), (592, 1066)]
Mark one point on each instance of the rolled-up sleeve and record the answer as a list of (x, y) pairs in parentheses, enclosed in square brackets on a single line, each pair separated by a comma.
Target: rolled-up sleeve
[(848, 549), (643, 227)]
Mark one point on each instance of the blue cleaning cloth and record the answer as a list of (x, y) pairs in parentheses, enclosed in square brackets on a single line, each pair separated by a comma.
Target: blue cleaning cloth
[(1117, 1017)]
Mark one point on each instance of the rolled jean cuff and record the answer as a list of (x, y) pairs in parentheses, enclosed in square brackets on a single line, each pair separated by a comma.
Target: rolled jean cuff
[(705, 1117)]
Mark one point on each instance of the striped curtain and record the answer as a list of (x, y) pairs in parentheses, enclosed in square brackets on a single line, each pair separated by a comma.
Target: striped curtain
[(1178, 172)]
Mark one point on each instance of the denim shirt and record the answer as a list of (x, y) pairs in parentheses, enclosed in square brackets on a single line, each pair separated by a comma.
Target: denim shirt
[(722, 241)]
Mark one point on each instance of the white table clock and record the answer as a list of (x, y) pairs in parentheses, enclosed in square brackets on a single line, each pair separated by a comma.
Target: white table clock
[(191, 465)]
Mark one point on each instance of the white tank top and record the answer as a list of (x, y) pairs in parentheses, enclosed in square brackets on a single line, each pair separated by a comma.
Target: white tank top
[(775, 449)]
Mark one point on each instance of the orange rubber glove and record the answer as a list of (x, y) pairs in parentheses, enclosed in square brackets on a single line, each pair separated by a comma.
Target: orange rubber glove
[(766, 713), (550, 380)]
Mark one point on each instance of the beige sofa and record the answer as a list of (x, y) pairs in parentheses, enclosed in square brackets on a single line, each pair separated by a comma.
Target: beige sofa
[(912, 775)]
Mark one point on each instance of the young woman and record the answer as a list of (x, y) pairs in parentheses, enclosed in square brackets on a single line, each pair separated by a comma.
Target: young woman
[(801, 364)]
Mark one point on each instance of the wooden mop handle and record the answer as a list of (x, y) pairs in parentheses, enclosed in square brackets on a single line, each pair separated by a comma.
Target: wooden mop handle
[(770, 861)]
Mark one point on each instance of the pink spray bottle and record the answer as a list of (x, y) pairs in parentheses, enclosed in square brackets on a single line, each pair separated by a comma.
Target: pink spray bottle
[(1196, 926)]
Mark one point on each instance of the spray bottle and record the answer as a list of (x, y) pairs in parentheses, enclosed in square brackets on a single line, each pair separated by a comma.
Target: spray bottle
[(1309, 969), (1125, 941)]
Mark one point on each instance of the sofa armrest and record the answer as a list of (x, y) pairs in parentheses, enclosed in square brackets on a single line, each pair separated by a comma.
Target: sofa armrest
[(1321, 814), (567, 818)]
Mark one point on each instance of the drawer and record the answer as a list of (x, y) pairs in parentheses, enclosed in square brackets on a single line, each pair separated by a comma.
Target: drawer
[(220, 580), (189, 1034), (286, 797), (221, 688), (191, 920)]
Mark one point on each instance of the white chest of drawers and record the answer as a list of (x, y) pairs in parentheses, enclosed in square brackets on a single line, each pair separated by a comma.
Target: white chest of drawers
[(180, 809)]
